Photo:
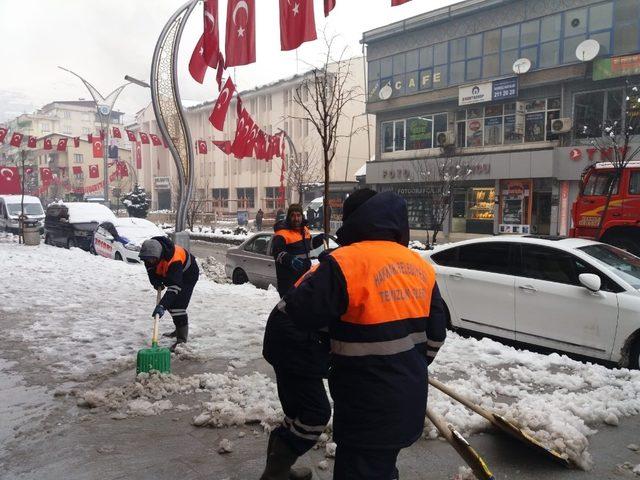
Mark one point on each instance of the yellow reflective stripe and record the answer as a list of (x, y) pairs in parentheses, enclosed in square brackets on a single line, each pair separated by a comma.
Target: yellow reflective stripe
[(388, 347)]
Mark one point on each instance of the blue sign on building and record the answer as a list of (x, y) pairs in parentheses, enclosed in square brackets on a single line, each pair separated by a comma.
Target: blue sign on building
[(505, 88)]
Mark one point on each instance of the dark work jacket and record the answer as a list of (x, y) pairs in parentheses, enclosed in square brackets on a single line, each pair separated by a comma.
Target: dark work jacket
[(287, 244), (379, 398), (179, 274)]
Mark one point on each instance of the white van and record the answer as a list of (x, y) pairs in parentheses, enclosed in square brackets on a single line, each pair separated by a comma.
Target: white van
[(10, 208)]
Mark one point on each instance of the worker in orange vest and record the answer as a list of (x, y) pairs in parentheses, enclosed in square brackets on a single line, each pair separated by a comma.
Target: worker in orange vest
[(173, 267), (290, 248), (386, 322)]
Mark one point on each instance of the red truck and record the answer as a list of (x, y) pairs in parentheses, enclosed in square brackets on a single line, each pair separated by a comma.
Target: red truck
[(621, 225)]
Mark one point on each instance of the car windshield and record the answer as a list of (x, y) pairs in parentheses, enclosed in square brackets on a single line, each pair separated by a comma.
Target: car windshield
[(29, 209), (623, 264), (139, 233)]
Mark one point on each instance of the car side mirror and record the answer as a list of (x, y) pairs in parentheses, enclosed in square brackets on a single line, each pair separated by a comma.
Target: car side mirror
[(590, 281)]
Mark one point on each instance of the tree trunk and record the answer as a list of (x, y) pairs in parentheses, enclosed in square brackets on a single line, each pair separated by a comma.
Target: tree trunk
[(616, 181), (325, 202)]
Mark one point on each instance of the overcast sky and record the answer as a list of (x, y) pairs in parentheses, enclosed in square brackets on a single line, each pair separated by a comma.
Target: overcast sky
[(103, 40)]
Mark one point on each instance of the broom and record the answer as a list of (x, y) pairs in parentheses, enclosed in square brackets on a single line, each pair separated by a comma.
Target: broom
[(154, 358)]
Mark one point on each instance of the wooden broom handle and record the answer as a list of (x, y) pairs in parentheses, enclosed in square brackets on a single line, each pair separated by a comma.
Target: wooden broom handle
[(463, 400)]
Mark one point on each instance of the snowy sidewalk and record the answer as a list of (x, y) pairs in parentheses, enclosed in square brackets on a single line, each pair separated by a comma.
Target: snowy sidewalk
[(74, 323)]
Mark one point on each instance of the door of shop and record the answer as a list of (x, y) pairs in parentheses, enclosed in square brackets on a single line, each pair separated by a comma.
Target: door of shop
[(541, 213)]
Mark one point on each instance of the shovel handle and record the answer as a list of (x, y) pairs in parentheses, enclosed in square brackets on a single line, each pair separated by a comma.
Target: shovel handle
[(463, 400), (156, 318)]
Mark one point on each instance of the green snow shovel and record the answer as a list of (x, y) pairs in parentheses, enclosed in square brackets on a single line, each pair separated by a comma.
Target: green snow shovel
[(154, 358)]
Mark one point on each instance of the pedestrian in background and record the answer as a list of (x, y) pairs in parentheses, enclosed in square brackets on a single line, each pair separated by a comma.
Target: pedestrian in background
[(259, 217), (385, 317)]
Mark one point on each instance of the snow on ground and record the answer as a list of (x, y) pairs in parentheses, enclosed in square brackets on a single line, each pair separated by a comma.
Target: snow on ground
[(89, 315), (213, 269), (230, 233)]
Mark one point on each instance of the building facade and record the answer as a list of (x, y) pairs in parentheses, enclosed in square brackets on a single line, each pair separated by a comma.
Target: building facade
[(495, 96), (227, 184)]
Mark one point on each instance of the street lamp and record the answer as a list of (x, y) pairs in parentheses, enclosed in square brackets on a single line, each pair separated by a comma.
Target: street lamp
[(104, 107), (141, 83)]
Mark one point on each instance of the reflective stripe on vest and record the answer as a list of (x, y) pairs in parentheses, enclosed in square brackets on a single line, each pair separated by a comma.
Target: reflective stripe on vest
[(386, 282), (306, 275), (179, 255), (388, 347)]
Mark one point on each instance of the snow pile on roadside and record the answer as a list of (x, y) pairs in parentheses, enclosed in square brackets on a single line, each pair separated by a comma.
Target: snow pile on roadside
[(6, 237), (214, 270), (237, 234), (553, 398)]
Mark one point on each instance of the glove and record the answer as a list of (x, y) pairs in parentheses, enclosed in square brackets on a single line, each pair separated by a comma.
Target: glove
[(159, 310), (297, 264)]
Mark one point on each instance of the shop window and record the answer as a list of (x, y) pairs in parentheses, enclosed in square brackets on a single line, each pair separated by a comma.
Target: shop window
[(419, 133), (440, 123), (634, 183), (474, 133), (398, 135), (599, 183), (535, 105), (512, 134), (614, 106), (549, 54), (475, 112), (551, 116), (588, 111), (493, 110), (461, 114), (489, 257), (387, 137), (493, 131), (491, 41), (534, 127)]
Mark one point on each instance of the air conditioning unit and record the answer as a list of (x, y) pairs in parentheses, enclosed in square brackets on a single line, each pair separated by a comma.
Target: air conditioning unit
[(561, 125), (445, 139)]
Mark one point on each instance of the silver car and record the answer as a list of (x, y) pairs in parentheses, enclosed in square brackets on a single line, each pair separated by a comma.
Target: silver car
[(251, 261)]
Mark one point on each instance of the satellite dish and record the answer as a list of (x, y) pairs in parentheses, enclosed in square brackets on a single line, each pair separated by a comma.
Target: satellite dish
[(587, 50), (522, 65), (385, 92)]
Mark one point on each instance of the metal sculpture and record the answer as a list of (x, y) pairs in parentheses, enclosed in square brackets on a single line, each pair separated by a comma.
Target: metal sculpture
[(167, 106)]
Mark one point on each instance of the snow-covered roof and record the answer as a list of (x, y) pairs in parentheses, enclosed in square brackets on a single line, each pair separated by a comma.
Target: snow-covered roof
[(84, 212)]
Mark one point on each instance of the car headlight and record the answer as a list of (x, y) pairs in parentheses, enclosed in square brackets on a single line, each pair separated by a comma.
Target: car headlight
[(133, 247)]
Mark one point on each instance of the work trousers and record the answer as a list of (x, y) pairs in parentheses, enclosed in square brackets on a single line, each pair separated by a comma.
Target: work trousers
[(365, 464), (178, 310), (306, 408)]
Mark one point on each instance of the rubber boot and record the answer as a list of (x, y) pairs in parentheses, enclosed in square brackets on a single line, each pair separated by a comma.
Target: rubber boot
[(182, 332), (170, 334), (280, 459)]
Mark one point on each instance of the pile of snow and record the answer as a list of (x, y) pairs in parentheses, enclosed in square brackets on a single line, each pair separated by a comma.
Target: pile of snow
[(214, 270), (86, 212), (417, 245)]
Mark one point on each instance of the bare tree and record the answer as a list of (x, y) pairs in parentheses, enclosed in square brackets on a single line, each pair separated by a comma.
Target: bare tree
[(303, 171), (612, 138), (440, 175), (197, 205), (323, 94)]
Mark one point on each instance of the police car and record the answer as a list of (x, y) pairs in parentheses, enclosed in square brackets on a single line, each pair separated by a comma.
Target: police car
[(121, 239)]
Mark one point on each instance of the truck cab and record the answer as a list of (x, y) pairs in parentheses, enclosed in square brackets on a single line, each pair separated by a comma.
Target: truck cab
[(621, 223), (12, 206)]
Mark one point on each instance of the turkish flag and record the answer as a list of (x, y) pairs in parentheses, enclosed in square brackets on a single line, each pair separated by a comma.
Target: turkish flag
[(219, 112), (89, 138), (197, 64), (260, 148), (395, 3), (28, 170), (3, 133), (101, 134), (32, 142), (297, 24), (16, 139), (144, 138), (76, 142), (116, 133), (250, 141), (47, 144), (328, 6), (155, 140), (122, 170), (77, 170), (62, 144), (94, 172), (138, 156), (211, 36), (45, 175), (220, 70), (131, 135), (224, 145), (202, 147), (243, 129), (98, 148), (10, 180), (240, 44)]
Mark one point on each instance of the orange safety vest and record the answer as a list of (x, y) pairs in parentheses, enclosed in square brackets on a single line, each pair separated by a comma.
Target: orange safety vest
[(179, 255), (293, 236), (386, 282), (306, 274)]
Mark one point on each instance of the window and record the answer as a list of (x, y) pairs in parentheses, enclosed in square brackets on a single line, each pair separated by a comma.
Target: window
[(271, 196), (446, 258), (78, 158), (530, 33), (549, 54), (305, 127), (269, 105), (387, 137), (490, 66), (599, 183), (413, 133), (550, 28), (220, 196), (492, 41), (575, 22), (457, 48), (399, 135), (600, 17), (626, 28), (67, 115), (634, 183), (510, 37), (457, 72), (419, 133), (489, 257), (246, 198), (440, 54), (258, 244), (474, 46), (45, 127), (66, 129), (426, 57), (412, 61), (593, 109), (474, 69), (285, 99)]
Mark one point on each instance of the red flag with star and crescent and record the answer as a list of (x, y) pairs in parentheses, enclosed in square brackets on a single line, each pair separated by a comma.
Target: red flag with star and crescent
[(62, 145), (3, 133), (202, 147), (197, 63), (144, 138), (93, 171), (240, 46), (16, 139), (297, 23), (116, 133), (224, 145), (243, 130), (32, 142), (45, 175), (219, 112), (138, 156), (98, 148), (211, 42), (395, 3), (47, 144), (328, 6), (76, 142), (10, 180), (131, 136), (155, 140)]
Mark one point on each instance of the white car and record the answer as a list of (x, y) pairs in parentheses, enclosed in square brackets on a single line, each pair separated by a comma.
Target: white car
[(567, 294), (121, 239)]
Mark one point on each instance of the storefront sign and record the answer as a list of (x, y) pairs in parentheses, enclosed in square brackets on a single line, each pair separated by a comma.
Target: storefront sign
[(398, 173), (161, 183), (505, 88), (478, 93), (502, 89), (605, 68), (575, 154), (520, 229)]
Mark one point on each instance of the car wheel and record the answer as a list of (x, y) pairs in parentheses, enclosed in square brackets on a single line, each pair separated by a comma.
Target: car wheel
[(634, 355), (118, 257), (71, 243), (239, 277)]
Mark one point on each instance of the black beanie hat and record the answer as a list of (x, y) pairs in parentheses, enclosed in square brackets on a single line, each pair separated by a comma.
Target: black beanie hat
[(294, 207), (355, 200)]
